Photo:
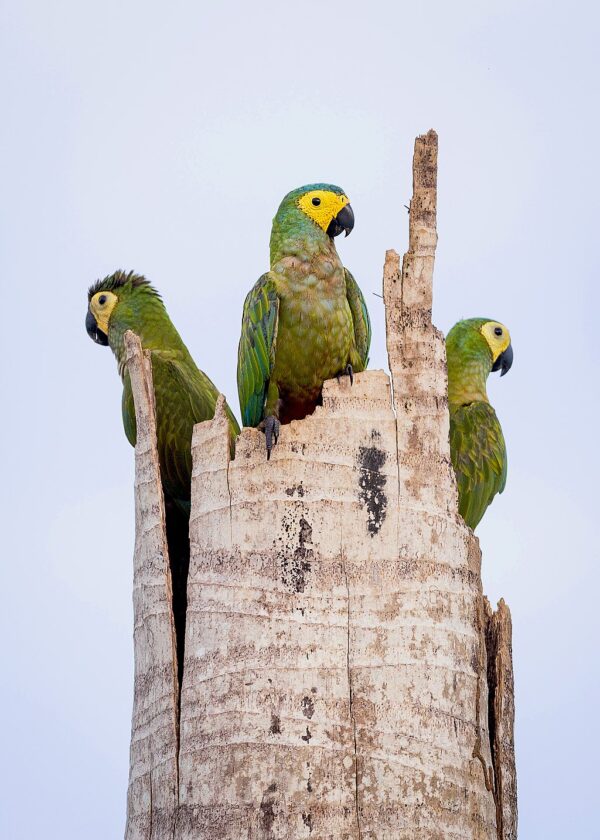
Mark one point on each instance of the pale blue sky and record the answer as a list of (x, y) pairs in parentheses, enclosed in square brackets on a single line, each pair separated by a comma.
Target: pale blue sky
[(161, 137)]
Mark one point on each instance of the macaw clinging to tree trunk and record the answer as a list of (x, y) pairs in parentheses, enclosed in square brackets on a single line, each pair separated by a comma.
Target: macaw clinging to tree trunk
[(184, 395), (305, 320), (474, 349)]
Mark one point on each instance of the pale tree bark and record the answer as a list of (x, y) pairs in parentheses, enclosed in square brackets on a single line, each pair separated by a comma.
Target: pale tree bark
[(343, 676), (153, 783)]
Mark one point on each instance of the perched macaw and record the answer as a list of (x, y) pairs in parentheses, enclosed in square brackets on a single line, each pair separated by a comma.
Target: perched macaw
[(184, 395), (474, 348), (305, 320)]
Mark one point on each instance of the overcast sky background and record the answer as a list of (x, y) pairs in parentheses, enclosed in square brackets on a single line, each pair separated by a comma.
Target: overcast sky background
[(161, 137)]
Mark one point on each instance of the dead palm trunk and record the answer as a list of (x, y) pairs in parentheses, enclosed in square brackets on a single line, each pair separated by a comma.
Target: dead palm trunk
[(343, 676)]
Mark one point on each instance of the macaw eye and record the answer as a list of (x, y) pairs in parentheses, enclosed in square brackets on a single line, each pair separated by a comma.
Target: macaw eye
[(102, 300), (316, 201), (498, 330)]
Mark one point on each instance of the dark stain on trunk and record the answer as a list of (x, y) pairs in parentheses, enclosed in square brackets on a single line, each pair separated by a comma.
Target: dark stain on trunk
[(372, 483), (308, 707), (267, 809), (296, 564), (297, 488)]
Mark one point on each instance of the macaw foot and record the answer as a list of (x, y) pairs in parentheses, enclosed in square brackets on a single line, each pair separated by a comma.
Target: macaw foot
[(270, 426), (348, 372)]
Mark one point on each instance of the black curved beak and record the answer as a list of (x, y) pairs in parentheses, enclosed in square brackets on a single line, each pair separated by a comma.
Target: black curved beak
[(504, 361), (94, 332), (343, 221)]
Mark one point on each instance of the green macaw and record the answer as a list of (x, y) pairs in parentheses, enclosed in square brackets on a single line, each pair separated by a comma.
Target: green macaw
[(474, 348), (184, 395), (305, 320)]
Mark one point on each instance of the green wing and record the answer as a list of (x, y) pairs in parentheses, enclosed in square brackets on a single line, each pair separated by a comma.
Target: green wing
[(184, 396), (360, 316), (256, 351), (479, 459), (128, 410)]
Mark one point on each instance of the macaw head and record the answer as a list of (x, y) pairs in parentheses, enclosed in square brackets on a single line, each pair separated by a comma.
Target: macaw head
[(482, 340), (498, 340), (326, 205), (109, 296)]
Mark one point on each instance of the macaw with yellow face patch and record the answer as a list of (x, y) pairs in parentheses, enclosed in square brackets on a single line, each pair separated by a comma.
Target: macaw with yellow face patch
[(305, 320), (475, 348), (183, 396)]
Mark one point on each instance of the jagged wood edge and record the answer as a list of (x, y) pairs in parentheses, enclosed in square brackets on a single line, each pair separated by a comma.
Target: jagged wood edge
[(151, 806), (500, 675), (407, 292)]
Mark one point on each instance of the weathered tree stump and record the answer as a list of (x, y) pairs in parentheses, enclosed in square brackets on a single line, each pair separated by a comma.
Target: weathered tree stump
[(344, 676)]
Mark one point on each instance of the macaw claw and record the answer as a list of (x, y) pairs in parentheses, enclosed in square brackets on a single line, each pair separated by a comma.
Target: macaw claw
[(348, 372), (271, 428)]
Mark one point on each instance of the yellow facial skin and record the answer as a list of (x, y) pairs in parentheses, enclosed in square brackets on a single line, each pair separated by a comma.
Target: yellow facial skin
[(322, 206), (101, 306), (497, 341)]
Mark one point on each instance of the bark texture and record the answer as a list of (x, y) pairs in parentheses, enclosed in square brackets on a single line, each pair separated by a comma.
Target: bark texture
[(343, 675), (153, 785), (502, 716)]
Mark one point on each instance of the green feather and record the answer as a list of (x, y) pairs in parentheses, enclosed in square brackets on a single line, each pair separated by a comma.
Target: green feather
[(477, 447), (479, 459), (184, 395), (303, 322), (360, 318), (256, 351)]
